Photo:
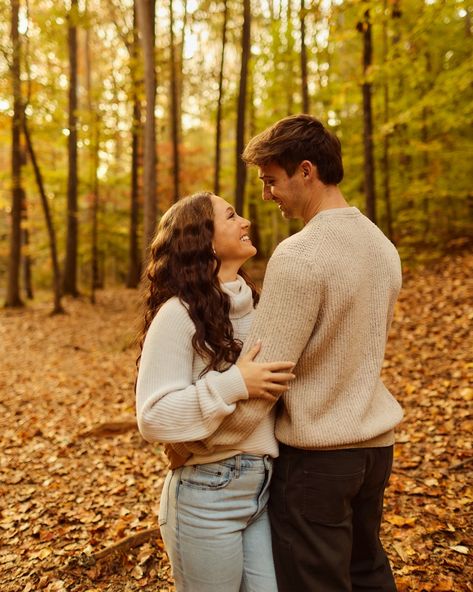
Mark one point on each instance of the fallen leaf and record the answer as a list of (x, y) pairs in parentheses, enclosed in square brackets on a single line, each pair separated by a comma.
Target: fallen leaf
[(460, 549)]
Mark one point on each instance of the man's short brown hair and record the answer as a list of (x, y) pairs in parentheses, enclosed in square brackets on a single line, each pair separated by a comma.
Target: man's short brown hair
[(293, 139)]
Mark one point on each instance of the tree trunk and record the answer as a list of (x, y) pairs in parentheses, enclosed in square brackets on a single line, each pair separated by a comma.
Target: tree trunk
[(240, 133), (49, 222), (386, 171), (134, 269), (254, 194), (13, 287), (146, 20), (181, 69), (425, 136), (93, 177), (289, 86), (25, 244), (368, 120), (305, 87), (70, 267), (218, 135), (174, 107)]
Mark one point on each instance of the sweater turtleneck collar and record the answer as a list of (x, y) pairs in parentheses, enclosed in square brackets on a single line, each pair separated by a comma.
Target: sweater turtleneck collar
[(241, 297)]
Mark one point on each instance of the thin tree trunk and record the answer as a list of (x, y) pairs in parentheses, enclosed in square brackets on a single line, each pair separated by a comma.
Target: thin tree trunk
[(425, 136), (49, 222), (93, 178), (218, 135), (368, 120), (181, 70), (241, 112), (253, 196), (27, 259), (174, 107), (25, 242), (305, 87), (290, 57), (134, 269), (386, 170), (425, 165), (13, 298), (70, 268), (146, 20)]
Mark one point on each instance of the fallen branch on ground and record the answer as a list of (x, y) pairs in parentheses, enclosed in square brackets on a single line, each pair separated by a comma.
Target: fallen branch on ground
[(110, 428), (461, 464), (122, 546)]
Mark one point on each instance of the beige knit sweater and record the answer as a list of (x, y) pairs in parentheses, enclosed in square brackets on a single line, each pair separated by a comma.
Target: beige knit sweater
[(174, 403), (327, 303)]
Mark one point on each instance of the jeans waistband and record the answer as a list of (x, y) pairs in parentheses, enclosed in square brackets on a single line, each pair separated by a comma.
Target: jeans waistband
[(248, 460)]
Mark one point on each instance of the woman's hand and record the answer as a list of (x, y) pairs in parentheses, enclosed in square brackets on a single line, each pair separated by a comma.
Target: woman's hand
[(264, 380)]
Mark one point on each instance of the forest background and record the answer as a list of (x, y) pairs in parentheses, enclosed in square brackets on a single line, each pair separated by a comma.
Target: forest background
[(110, 111)]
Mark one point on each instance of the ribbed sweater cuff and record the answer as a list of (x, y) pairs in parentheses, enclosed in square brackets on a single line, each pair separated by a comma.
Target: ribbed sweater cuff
[(233, 386)]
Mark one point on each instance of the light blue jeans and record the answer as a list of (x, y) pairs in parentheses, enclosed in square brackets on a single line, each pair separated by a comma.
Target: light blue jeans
[(215, 526)]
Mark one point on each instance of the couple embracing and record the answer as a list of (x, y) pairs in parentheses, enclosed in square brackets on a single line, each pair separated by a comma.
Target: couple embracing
[(278, 428)]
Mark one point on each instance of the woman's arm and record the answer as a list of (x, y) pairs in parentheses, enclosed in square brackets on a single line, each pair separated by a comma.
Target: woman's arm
[(171, 407)]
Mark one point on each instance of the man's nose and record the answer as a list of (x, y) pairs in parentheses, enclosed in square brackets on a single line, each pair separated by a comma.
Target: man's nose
[(266, 193)]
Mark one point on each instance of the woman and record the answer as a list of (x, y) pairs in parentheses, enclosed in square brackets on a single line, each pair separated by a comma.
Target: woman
[(200, 305)]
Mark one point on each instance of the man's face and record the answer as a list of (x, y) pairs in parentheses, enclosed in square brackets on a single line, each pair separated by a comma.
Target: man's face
[(285, 191)]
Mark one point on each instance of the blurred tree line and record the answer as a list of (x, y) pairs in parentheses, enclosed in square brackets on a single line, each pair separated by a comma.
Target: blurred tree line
[(110, 110)]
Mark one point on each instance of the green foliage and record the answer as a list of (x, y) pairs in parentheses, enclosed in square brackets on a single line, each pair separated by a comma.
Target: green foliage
[(422, 63)]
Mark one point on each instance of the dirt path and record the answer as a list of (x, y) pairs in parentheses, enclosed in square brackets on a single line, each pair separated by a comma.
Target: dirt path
[(76, 478)]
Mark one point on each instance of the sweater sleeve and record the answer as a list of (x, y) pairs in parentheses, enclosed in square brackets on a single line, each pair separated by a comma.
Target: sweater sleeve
[(170, 405), (287, 311), (284, 321)]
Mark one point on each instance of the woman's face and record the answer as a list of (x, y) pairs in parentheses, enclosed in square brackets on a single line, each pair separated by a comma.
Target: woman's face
[(231, 241)]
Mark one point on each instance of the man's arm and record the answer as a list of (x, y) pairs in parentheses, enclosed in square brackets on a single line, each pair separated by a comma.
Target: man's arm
[(285, 318), (287, 311)]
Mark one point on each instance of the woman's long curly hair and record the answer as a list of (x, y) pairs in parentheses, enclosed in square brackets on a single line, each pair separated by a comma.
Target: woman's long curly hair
[(183, 263)]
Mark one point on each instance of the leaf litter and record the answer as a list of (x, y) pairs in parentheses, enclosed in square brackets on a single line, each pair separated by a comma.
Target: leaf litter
[(79, 488)]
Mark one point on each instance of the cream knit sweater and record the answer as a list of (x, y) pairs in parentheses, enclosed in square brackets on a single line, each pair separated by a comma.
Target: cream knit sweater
[(175, 404), (327, 303)]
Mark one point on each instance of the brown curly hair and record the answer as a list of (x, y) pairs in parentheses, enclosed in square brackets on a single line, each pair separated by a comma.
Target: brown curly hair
[(183, 263)]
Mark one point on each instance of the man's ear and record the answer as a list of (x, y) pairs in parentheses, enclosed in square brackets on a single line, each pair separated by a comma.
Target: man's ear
[(308, 169)]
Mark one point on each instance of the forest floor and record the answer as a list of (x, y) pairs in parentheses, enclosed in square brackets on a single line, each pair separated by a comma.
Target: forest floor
[(79, 488)]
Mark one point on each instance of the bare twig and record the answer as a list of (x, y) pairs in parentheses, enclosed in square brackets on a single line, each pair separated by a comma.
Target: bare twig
[(125, 544), (110, 428), (461, 464)]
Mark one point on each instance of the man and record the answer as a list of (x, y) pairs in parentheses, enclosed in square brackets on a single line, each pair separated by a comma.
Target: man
[(327, 304)]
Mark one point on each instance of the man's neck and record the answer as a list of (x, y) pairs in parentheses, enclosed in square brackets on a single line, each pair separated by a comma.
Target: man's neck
[(327, 197)]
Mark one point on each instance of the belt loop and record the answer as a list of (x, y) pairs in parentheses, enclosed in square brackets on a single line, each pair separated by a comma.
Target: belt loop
[(237, 466)]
